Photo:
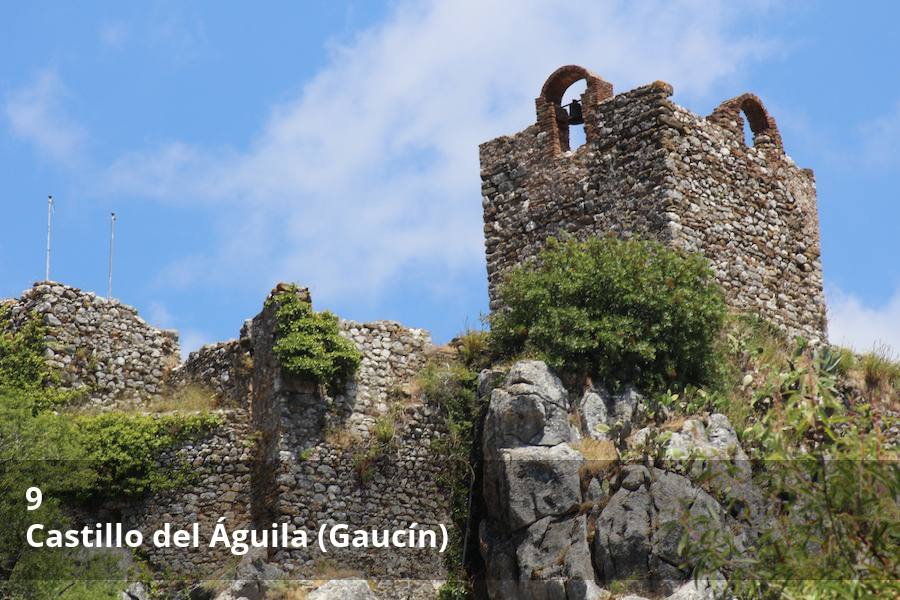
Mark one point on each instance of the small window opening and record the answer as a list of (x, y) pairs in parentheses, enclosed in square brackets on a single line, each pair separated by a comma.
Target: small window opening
[(748, 131), (577, 136)]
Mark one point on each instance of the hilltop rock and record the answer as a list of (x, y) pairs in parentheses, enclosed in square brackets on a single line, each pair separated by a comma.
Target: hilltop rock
[(533, 541), (639, 530)]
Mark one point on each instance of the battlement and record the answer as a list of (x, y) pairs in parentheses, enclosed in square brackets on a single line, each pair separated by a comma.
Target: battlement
[(652, 169)]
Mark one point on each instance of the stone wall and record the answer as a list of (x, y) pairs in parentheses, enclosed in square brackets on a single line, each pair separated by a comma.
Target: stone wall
[(751, 211), (312, 456), (224, 369), (220, 465), (98, 345), (654, 170), (287, 451)]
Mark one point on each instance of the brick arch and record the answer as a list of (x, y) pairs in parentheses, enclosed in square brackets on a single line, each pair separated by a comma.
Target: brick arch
[(551, 118), (765, 130)]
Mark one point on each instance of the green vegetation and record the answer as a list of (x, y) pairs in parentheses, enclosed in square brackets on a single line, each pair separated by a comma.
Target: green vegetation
[(880, 374), (451, 384), (626, 311), (73, 457), (24, 369), (308, 344), (123, 450), (831, 481)]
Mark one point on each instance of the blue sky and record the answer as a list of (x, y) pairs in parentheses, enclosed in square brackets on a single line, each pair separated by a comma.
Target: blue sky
[(336, 145)]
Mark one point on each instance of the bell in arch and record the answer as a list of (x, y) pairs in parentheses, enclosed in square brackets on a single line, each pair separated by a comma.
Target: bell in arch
[(576, 117)]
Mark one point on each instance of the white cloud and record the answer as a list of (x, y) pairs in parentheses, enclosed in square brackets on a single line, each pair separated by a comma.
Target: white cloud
[(159, 315), (192, 339), (114, 34), (35, 114), (861, 327), (881, 140), (370, 174)]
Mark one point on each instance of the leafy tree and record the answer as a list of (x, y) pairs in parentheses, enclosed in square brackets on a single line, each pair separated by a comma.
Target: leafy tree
[(625, 310)]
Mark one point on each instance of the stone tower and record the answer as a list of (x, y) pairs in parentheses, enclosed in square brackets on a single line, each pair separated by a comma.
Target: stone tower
[(654, 170)]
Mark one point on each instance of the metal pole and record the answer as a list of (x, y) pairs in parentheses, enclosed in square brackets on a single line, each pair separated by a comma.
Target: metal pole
[(112, 239), (49, 215)]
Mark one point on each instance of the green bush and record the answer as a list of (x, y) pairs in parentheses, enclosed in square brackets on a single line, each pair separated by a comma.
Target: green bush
[(830, 482), (71, 458), (308, 344), (123, 450), (626, 311), (23, 367), (451, 385)]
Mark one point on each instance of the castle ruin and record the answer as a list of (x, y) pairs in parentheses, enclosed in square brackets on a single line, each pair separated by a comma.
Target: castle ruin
[(652, 169)]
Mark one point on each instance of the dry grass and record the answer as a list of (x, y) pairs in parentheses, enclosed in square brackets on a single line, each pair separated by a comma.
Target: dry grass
[(473, 347), (191, 398), (674, 423), (600, 456), (880, 374), (342, 437)]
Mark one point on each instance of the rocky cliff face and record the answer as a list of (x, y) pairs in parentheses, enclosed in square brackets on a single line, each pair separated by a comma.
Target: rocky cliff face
[(567, 518)]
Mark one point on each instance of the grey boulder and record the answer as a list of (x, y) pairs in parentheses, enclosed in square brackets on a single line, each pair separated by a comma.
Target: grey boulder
[(343, 589), (639, 530)]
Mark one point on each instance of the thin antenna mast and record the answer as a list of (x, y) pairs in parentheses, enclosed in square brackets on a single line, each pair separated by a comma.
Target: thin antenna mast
[(49, 217), (112, 239)]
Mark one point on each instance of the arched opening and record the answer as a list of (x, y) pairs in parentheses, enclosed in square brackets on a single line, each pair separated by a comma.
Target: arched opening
[(572, 102), (747, 130), (746, 116), (566, 104)]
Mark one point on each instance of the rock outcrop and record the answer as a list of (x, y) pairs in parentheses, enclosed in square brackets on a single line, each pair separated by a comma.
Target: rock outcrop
[(560, 526), (534, 540)]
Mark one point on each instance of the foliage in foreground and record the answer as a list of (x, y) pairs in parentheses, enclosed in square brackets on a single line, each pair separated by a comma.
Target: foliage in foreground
[(73, 458), (308, 344), (626, 311), (832, 484)]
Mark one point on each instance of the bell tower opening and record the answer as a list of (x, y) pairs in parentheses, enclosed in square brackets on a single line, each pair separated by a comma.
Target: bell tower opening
[(574, 107), (565, 106)]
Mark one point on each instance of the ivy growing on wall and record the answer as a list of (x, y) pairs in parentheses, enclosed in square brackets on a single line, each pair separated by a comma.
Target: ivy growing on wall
[(308, 344)]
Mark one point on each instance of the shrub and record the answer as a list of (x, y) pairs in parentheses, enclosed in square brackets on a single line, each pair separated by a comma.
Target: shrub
[(627, 311), (308, 344), (24, 369), (123, 450), (473, 347), (880, 374), (451, 386), (384, 429), (830, 482)]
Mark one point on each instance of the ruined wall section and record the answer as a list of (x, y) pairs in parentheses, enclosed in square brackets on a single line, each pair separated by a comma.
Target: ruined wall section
[(613, 184), (224, 369), (101, 346), (320, 452), (220, 465), (752, 212)]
